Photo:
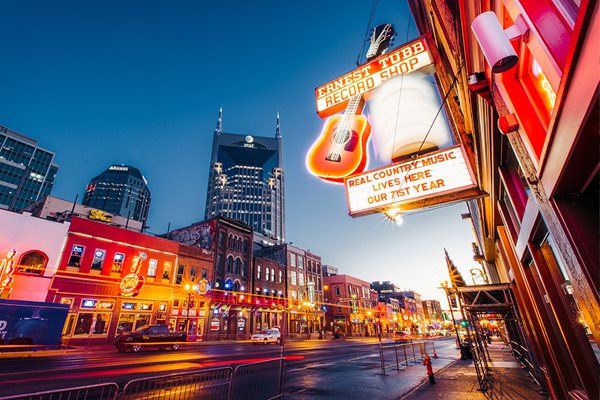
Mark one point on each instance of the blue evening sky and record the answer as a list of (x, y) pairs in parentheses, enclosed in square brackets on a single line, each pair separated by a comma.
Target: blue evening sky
[(140, 82)]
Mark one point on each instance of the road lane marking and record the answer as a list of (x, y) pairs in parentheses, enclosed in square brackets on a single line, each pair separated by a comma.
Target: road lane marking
[(331, 363)]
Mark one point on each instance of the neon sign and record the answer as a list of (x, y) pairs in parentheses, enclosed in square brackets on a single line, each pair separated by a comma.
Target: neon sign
[(99, 215), (7, 267), (132, 283), (333, 96), (433, 174)]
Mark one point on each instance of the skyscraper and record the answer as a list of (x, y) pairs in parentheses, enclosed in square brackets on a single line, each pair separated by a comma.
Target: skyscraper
[(27, 171), (245, 180), (120, 190)]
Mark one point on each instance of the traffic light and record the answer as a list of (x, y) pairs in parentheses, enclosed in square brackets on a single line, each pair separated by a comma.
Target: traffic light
[(453, 302), (463, 324)]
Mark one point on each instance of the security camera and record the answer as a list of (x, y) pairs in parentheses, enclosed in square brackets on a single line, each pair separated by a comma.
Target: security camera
[(495, 42)]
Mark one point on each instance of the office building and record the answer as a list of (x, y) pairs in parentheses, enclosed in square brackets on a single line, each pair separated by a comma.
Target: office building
[(120, 190), (27, 171), (245, 181)]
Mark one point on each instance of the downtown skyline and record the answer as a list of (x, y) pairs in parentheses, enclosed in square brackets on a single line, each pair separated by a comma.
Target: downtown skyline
[(147, 91)]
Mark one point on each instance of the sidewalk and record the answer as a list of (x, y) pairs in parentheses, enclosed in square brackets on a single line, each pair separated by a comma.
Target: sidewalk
[(459, 381)]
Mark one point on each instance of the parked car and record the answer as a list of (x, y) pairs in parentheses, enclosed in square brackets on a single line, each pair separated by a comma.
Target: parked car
[(402, 337), (149, 335), (267, 336)]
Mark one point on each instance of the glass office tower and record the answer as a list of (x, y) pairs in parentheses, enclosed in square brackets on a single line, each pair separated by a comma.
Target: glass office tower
[(120, 190), (245, 181), (27, 171)]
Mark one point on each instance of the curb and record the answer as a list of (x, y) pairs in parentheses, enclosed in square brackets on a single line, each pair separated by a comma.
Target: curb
[(424, 381)]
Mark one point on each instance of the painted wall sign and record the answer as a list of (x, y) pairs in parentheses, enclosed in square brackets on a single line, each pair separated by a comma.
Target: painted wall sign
[(99, 215), (333, 96), (430, 175)]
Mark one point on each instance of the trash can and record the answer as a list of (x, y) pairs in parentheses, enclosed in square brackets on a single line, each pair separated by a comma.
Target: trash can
[(465, 352)]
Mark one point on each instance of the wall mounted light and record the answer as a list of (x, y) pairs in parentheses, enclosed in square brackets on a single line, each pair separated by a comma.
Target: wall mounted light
[(495, 41)]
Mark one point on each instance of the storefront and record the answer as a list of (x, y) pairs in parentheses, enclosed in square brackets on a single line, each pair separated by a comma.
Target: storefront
[(114, 280)]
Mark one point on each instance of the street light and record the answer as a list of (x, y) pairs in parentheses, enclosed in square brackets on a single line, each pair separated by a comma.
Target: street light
[(190, 296)]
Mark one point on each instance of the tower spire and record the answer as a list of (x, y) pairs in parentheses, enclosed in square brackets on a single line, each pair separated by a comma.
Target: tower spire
[(277, 130), (219, 128)]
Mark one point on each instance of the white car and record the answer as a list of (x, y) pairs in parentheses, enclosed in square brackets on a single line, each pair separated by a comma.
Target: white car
[(267, 336)]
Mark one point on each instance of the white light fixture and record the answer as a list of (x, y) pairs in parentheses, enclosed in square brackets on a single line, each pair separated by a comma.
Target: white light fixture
[(495, 41)]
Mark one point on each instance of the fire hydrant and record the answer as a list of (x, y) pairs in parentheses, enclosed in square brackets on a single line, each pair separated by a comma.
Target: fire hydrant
[(427, 363)]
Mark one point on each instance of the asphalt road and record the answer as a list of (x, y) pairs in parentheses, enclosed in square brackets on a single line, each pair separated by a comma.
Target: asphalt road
[(314, 368)]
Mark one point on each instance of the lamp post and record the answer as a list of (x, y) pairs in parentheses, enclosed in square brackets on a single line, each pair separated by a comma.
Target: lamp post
[(190, 296)]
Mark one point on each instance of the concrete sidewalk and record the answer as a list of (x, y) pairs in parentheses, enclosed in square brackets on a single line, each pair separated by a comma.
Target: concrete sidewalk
[(459, 381)]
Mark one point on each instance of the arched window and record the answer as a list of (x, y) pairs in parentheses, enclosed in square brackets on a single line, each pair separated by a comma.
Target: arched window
[(229, 266), (236, 286), (239, 244), (221, 239), (238, 266), (258, 272), (243, 268), (245, 245), (273, 275), (33, 262), (267, 271)]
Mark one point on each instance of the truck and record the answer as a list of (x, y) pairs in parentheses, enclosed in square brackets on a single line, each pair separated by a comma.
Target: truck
[(149, 336)]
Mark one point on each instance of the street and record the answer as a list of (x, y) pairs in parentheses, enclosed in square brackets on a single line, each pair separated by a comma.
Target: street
[(314, 368)]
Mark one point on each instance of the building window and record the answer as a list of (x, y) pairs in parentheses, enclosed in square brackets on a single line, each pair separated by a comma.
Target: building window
[(221, 239), (258, 272), (229, 266), (301, 279), (301, 262), (193, 274), (204, 273), (280, 276), (152, 265), (245, 245), (292, 259), (294, 295), (219, 263), (76, 255), (318, 268), (180, 273), (85, 323), (33, 262), (337, 291), (273, 275), (244, 268), (267, 274), (98, 260), (167, 271), (294, 282), (238, 266), (117, 265)]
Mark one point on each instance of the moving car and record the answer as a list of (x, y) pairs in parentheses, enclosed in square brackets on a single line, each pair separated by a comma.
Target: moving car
[(267, 336), (149, 335), (402, 337)]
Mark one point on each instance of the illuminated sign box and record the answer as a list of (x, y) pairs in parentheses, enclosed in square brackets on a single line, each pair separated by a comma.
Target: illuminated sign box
[(333, 96), (434, 178)]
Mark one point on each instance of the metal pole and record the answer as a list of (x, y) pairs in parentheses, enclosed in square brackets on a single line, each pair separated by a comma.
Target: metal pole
[(405, 357)]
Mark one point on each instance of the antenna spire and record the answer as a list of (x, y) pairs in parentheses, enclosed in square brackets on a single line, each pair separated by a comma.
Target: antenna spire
[(219, 128), (278, 130)]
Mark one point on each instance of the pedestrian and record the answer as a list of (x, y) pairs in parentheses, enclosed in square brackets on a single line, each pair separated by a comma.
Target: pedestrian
[(427, 364)]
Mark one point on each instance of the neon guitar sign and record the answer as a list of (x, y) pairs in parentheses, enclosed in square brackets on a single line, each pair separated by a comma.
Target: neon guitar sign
[(340, 150)]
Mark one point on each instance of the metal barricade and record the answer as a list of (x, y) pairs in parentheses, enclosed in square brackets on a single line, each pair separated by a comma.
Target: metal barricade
[(103, 391), (392, 357), (258, 381), (209, 384)]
